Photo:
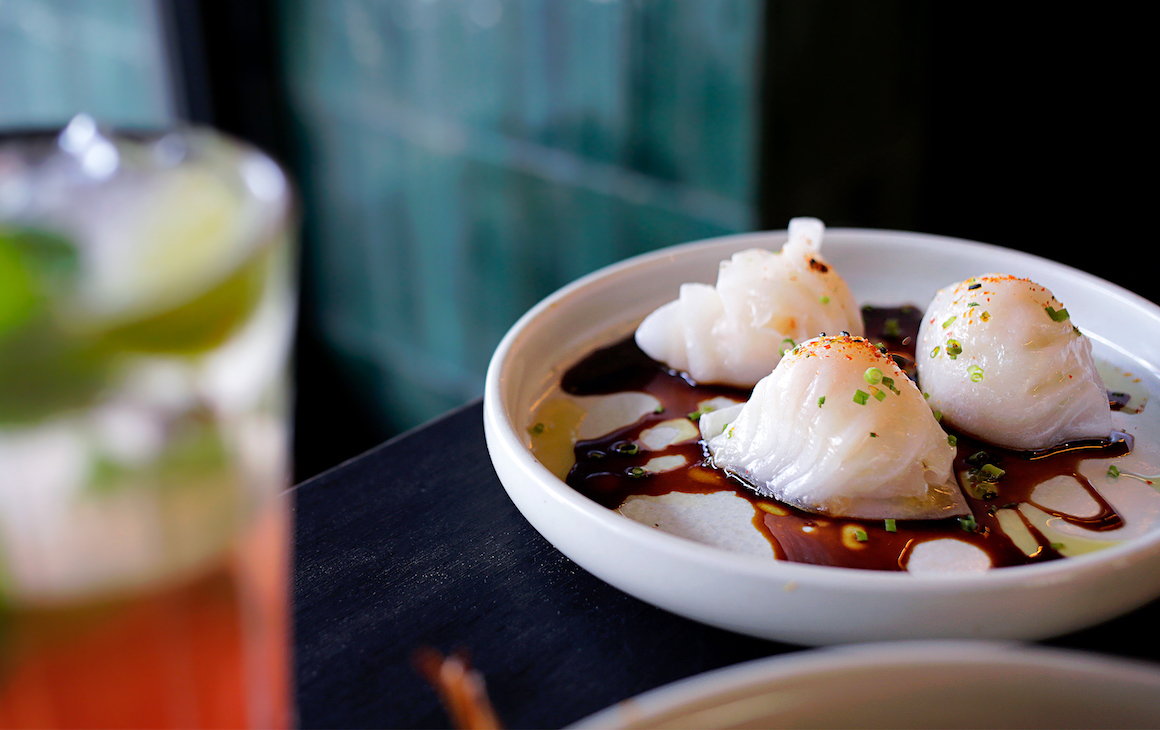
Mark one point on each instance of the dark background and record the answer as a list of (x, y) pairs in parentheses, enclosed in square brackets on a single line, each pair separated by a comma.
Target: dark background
[(1016, 127)]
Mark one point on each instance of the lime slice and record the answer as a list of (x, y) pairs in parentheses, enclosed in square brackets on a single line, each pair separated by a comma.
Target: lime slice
[(172, 269), (199, 324), (160, 246), (189, 237)]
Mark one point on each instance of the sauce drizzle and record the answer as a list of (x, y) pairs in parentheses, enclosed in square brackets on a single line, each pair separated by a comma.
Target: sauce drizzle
[(611, 469)]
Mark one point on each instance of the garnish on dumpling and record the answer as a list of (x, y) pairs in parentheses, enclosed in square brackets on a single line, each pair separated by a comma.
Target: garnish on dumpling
[(1002, 361), (763, 304), (839, 429)]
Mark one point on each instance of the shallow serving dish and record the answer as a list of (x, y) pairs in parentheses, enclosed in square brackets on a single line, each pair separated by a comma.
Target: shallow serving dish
[(921, 684), (807, 604)]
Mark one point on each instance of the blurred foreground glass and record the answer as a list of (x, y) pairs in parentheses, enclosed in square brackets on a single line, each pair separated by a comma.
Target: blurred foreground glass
[(146, 310)]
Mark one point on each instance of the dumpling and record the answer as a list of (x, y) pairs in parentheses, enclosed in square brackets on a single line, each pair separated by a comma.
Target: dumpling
[(763, 304), (1002, 361), (838, 429)]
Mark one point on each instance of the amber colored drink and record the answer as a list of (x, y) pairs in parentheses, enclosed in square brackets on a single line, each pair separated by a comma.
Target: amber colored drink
[(210, 651), (146, 310)]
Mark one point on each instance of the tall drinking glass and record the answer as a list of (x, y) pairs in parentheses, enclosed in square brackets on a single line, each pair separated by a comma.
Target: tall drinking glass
[(146, 310)]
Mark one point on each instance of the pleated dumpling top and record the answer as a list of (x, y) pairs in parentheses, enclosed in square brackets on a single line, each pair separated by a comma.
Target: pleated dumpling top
[(839, 429), (763, 304), (1002, 360)]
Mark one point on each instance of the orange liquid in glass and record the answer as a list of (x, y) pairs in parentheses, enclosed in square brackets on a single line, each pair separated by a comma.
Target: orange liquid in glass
[(209, 652)]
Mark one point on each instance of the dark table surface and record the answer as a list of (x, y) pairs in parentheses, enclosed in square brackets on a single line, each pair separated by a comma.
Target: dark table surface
[(415, 544)]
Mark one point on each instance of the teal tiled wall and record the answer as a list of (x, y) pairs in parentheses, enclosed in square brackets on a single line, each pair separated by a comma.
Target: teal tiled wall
[(103, 57), (462, 159)]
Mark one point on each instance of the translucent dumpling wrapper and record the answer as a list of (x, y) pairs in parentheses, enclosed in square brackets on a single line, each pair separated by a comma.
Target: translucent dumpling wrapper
[(764, 303), (1002, 361), (839, 429)]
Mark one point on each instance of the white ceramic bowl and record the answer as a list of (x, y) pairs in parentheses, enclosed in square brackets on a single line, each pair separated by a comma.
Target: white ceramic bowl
[(792, 602), (938, 684)]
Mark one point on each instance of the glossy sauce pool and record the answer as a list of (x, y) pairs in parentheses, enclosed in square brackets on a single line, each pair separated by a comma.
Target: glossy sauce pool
[(610, 469)]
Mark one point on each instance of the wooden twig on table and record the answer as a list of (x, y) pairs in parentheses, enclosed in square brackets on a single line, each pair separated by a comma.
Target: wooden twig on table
[(460, 687)]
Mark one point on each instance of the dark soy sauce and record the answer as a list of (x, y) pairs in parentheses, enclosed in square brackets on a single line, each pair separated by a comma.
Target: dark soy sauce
[(609, 469)]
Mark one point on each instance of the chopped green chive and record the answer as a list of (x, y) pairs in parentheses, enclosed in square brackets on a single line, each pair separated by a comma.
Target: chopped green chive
[(889, 383), (636, 472), (954, 348), (934, 352), (1057, 315), (972, 304), (873, 376), (949, 321), (792, 345), (980, 457), (968, 523), (891, 525), (891, 328), (976, 373), (982, 475), (821, 400), (873, 435), (1057, 546), (992, 471), (824, 299), (626, 448), (861, 397), (1113, 471), (696, 415), (985, 316), (979, 487), (536, 429), (860, 535), (879, 394), (952, 439), (980, 482)]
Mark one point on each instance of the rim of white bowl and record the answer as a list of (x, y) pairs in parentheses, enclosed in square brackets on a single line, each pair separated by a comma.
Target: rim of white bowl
[(757, 674), (760, 568)]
